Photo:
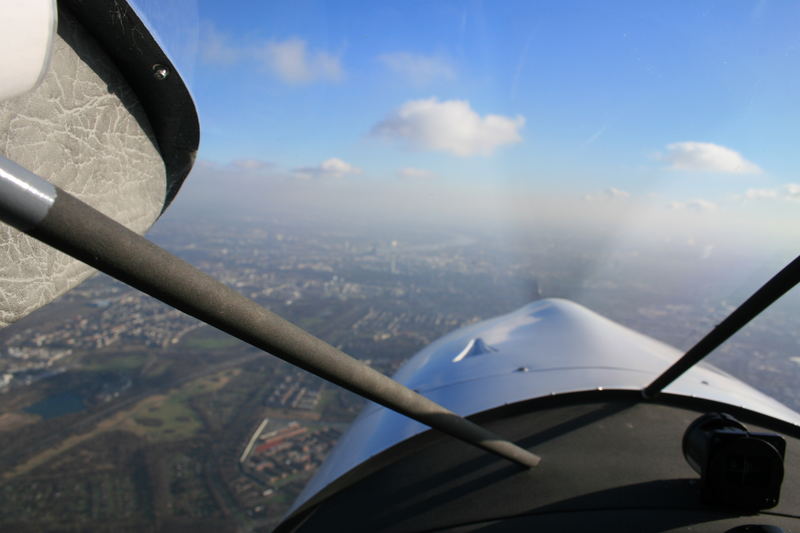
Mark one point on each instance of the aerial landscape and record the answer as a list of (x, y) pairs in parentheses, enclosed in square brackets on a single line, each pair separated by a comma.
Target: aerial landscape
[(382, 175), (116, 408)]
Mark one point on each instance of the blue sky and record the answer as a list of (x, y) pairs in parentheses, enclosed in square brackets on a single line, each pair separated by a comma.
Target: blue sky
[(688, 105)]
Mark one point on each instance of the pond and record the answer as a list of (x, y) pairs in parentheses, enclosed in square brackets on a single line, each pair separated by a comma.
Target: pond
[(56, 405)]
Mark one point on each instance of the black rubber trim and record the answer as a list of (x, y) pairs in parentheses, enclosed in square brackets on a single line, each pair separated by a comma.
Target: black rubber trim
[(167, 102)]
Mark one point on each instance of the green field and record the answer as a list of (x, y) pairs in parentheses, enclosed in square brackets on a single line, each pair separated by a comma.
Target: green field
[(207, 338), (170, 417), (115, 361)]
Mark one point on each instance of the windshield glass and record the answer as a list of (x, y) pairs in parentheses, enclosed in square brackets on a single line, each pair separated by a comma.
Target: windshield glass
[(638, 159), (384, 173)]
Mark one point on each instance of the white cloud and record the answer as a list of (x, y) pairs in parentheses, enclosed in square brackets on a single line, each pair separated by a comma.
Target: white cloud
[(292, 62), (791, 191), (215, 49), (611, 193), (412, 173), (419, 70), (758, 194), (697, 204), (250, 164), (330, 168), (337, 167), (450, 126), (707, 157), (207, 174)]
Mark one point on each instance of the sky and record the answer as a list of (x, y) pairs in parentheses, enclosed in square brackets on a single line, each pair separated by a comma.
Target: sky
[(677, 113)]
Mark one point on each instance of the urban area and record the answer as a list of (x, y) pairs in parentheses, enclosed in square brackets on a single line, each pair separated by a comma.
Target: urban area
[(120, 413)]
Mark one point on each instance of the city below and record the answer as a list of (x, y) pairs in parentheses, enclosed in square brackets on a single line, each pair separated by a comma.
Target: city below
[(120, 411)]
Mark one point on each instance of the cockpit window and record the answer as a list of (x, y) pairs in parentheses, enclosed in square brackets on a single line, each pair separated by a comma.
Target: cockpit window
[(382, 174)]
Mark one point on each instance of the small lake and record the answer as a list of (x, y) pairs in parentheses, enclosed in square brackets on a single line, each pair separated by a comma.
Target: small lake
[(56, 405)]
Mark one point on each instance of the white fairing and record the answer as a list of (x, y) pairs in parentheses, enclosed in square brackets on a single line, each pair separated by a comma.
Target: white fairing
[(27, 28), (547, 347)]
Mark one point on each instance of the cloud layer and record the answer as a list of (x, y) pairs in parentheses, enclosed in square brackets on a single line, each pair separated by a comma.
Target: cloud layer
[(450, 126), (251, 164), (330, 168), (790, 191), (707, 157), (412, 173), (609, 194), (698, 205), (417, 69), (292, 62), (215, 48)]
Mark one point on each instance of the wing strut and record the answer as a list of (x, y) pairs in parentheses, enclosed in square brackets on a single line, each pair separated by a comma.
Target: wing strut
[(53, 216), (776, 287)]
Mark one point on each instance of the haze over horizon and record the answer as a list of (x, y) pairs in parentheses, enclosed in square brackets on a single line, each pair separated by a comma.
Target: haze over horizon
[(651, 122), (651, 130)]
